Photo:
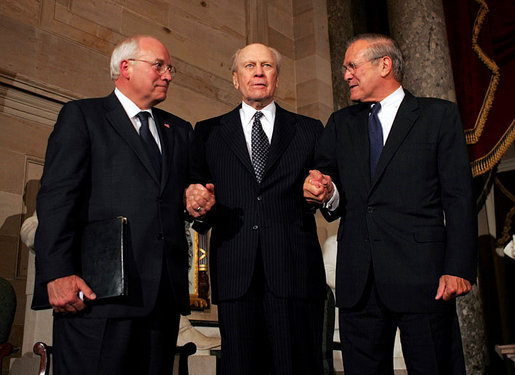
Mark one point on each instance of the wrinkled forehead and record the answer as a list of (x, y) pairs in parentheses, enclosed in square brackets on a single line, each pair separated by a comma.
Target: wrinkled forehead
[(356, 51), (256, 53)]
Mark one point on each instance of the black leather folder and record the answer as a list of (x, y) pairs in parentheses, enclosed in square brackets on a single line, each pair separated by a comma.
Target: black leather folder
[(103, 258), (104, 244)]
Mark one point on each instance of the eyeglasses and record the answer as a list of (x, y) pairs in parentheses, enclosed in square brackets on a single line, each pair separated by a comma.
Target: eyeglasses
[(159, 67), (353, 67)]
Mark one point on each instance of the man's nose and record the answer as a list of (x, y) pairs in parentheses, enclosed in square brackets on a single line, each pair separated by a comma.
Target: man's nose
[(167, 76)]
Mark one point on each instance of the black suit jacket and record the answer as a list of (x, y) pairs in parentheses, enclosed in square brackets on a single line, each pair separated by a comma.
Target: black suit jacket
[(270, 217), (416, 219), (97, 168)]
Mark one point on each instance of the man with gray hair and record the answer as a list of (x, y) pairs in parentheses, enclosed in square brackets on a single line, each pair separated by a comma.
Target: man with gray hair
[(407, 240), (106, 158), (267, 270)]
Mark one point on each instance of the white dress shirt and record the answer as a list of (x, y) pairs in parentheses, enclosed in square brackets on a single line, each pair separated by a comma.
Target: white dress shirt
[(389, 107), (132, 111), (267, 121)]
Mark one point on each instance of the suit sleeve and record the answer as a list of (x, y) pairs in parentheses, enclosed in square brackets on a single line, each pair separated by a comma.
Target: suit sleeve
[(203, 174), (64, 181), (457, 198), (325, 162)]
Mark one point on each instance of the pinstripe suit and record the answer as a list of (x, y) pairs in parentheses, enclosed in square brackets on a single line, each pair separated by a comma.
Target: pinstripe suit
[(264, 247)]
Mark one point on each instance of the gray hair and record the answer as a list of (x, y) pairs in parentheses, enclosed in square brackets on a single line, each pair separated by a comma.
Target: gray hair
[(127, 49), (277, 57), (382, 45)]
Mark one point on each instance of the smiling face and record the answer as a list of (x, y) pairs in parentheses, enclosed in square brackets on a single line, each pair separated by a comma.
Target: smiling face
[(366, 80), (256, 76), (139, 80)]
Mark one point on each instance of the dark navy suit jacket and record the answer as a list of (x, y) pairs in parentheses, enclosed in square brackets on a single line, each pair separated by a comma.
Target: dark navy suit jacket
[(271, 217), (97, 168), (416, 219)]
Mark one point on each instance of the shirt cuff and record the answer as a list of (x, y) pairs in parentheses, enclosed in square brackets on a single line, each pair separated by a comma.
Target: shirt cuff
[(333, 203)]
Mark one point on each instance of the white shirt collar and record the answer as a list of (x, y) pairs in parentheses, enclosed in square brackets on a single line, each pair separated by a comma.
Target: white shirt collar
[(394, 99), (128, 105), (248, 112)]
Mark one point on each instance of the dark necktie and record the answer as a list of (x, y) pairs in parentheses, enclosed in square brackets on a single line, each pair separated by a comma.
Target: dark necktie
[(149, 142), (260, 146), (375, 134)]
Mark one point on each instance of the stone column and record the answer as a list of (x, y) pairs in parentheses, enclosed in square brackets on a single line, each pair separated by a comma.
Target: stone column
[(341, 29), (419, 28)]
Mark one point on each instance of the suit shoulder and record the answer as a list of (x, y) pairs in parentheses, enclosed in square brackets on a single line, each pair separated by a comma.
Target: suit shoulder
[(167, 116), (209, 122), (86, 103), (348, 112), (308, 120), (303, 120), (435, 102)]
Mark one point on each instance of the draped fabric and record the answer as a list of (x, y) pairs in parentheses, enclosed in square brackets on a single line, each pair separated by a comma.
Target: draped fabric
[(481, 37)]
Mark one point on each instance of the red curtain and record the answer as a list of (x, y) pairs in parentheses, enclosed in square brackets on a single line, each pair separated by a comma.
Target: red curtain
[(481, 37)]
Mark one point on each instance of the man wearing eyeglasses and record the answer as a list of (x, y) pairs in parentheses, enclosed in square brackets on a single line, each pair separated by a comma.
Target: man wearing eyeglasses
[(408, 231), (110, 157)]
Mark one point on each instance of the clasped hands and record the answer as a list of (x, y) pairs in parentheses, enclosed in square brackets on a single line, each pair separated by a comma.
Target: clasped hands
[(199, 199), (318, 187)]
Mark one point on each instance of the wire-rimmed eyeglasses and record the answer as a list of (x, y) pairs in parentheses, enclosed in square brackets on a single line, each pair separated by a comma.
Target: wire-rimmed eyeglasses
[(353, 67), (159, 66)]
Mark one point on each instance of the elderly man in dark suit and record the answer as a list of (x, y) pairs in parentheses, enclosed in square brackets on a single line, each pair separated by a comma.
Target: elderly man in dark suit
[(408, 229), (109, 157), (266, 263)]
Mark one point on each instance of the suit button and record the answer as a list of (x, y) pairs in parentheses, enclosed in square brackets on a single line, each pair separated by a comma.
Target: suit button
[(259, 198), (370, 210), (255, 227), (160, 236)]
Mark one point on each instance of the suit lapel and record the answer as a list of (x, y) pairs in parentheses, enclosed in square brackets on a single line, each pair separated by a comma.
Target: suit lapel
[(232, 133), (117, 117), (359, 142), (406, 116), (284, 130), (168, 149)]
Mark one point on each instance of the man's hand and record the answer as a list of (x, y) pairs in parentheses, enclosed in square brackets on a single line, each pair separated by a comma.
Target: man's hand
[(63, 294), (200, 199), (451, 287), (318, 187)]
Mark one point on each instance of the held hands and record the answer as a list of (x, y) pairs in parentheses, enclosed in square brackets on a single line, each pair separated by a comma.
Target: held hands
[(63, 294), (200, 199), (318, 187), (451, 287)]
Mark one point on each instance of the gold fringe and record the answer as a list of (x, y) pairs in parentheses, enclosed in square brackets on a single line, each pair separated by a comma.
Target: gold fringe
[(506, 237), (472, 135), (487, 162)]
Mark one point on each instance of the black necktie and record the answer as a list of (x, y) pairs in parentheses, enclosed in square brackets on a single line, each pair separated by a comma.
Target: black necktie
[(375, 134), (260, 146), (149, 142)]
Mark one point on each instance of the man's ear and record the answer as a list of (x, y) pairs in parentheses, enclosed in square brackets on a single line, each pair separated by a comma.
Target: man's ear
[(125, 69), (235, 81), (386, 65)]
